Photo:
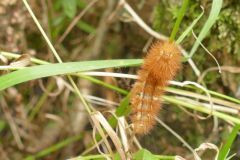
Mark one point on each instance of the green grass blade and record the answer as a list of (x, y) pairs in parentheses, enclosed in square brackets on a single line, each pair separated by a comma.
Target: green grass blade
[(3, 125), (86, 27), (226, 147), (40, 71), (202, 109), (224, 96), (215, 10), (181, 14), (41, 101), (188, 30), (216, 94), (103, 84), (117, 157), (143, 154), (123, 110), (54, 147)]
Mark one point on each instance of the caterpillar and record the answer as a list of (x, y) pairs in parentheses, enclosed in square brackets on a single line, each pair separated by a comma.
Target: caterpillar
[(160, 65)]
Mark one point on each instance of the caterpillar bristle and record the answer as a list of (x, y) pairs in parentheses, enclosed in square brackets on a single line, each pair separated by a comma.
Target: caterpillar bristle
[(161, 64)]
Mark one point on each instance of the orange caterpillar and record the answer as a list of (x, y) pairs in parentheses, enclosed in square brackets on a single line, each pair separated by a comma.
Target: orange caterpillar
[(161, 64)]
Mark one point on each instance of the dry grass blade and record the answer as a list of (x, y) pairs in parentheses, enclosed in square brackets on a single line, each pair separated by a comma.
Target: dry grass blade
[(23, 61), (219, 68), (205, 146), (98, 118), (97, 126), (123, 134), (230, 69)]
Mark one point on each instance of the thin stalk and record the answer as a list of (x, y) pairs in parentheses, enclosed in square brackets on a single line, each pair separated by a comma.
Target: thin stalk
[(42, 31), (41, 101), (87, 107), (201, 109), (99, 82), (216, 94), (15, 56), (181, 14)]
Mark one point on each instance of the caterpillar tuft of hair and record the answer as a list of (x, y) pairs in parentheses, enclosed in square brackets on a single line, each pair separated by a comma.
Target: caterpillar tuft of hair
[(161, 64)]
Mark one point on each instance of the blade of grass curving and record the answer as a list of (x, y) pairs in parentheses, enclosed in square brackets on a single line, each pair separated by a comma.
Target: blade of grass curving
[(188, 30), (40, 71), (215, 10), (123, 110), (226, 147), (181, 14)]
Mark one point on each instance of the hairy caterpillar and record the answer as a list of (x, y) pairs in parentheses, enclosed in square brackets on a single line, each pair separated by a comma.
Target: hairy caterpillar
[(161, 64)]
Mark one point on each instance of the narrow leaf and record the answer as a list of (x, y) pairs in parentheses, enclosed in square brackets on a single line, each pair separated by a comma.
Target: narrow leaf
[(40, 71), (226, 147), (144, 154), (215, 10), (181, 14), (69, 7)]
